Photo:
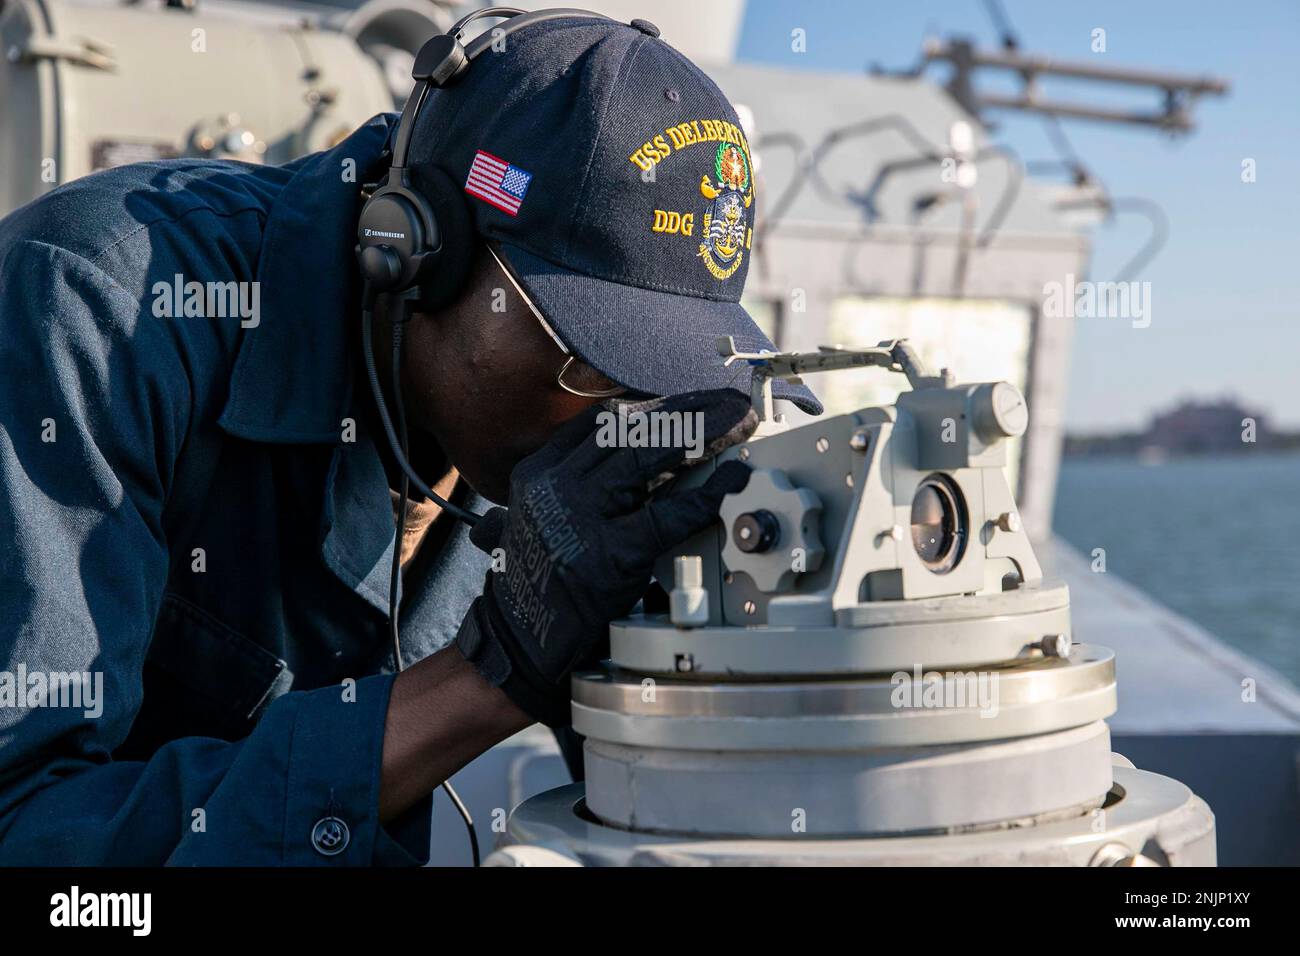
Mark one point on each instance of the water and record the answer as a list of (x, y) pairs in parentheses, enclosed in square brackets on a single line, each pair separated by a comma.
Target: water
[(1216, 539)]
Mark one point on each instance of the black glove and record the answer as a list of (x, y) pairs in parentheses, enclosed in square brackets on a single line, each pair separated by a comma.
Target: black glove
[(580, 539)]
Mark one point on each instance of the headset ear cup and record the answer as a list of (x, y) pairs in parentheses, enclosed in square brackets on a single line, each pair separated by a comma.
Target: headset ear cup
[(451, 267)]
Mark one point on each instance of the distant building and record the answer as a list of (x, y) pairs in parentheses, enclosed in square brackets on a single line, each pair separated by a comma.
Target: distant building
[(1205, 427), (1191, 428)]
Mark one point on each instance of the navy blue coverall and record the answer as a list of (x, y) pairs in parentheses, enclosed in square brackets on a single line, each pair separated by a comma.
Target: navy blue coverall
[(192, 508)]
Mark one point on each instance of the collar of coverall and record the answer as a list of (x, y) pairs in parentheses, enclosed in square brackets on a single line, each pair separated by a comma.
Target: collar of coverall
[(293, 377)]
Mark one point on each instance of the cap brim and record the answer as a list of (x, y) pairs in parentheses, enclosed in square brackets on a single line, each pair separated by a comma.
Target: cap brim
[(659, 343)]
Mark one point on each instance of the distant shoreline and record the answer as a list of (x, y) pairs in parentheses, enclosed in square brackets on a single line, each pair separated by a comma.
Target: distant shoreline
[(1157, 455), (1191, 429)]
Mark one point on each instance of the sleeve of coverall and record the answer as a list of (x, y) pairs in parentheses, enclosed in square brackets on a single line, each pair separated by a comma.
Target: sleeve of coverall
[(94, 404)]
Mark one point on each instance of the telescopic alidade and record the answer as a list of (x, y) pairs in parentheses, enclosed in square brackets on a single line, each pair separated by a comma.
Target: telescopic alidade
[(859, 663)]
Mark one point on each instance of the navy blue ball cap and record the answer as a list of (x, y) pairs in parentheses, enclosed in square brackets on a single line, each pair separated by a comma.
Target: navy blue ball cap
[(616, 181)]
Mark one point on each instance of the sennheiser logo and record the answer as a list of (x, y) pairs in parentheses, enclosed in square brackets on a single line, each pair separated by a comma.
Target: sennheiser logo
[(384, 235)]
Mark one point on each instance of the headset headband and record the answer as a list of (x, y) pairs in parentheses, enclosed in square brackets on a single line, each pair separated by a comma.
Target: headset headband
[(444, 58)]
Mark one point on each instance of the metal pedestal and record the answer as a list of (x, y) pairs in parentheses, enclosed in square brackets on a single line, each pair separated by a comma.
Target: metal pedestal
[(1146, 819)]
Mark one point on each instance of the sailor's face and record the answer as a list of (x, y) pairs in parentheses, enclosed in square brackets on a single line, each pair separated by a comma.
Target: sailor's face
[(480, 377)]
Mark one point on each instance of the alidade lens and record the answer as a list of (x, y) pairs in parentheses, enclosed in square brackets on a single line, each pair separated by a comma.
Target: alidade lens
[(938, 524)]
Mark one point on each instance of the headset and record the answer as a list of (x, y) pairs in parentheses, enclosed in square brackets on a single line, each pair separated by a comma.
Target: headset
[(418, 248), (402, 235)]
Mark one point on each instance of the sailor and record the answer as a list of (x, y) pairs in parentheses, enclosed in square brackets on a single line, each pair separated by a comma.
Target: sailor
[(197, 510)]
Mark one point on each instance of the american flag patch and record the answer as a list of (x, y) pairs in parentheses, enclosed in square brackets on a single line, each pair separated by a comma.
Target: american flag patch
[(496, 182)]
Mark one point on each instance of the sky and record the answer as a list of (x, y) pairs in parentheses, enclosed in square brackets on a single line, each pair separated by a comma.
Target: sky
[(1225, 290)]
